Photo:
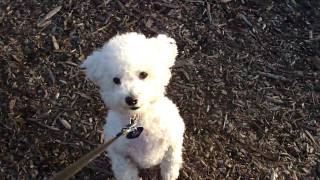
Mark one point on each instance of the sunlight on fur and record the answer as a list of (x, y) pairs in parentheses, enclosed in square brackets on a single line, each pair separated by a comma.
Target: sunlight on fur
[(132, 73)]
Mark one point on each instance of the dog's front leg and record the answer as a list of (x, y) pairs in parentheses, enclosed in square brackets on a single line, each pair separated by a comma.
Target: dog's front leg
[(172, 162), (123, 168)]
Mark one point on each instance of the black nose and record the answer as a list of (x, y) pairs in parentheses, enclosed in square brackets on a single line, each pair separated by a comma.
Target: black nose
[(131, 101)]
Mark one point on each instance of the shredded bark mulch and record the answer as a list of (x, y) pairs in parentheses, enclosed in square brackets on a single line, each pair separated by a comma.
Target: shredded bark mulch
[(246, 82)]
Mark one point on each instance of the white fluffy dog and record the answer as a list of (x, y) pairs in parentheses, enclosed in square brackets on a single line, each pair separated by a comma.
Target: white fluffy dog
[(132, 72)]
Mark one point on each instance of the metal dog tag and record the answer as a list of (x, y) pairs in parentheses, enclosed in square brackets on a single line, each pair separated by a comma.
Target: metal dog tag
[(135, 133)]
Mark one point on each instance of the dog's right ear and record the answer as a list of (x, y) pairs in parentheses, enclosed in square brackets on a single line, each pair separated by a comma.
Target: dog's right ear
[(92, 67)]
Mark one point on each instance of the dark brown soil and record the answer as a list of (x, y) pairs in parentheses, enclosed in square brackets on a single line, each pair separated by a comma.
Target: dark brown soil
[(246, 81)]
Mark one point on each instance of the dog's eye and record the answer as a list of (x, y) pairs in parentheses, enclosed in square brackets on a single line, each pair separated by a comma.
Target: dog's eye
[(143, 75), (116, 80)]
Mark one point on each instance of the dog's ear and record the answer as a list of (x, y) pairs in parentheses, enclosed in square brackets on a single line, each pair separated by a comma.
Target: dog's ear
[(167, 46), (92, 66)]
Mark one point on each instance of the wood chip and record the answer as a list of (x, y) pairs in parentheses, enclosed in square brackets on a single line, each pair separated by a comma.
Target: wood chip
[(311, 138), (209, 13), (244, 18), (274, 175), (72, 63), (65, 123), (316, 62), (12, 104), (43, 125), (52, 77), (274, 100), (273, 76), (55, 43), (49, 15)]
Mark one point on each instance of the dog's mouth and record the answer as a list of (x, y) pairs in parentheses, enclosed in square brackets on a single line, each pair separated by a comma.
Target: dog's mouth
[(134, 108)]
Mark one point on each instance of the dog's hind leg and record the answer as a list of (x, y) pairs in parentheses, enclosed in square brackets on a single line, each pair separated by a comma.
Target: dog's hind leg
[(172, 162), (123, 168)]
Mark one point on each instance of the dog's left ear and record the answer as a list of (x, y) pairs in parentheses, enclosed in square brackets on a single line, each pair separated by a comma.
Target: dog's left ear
[(167, 46)]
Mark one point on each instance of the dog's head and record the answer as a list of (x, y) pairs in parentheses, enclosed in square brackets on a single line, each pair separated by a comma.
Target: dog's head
[(131, 70)]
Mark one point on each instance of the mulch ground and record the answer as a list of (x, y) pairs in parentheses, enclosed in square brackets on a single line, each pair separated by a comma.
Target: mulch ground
[(246, 82)]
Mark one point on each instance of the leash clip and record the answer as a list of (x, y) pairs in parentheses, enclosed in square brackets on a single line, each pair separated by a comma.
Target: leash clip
[(131, 130)]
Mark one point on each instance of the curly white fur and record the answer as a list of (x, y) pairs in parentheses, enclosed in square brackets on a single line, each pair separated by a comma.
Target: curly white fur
[(125, 57)]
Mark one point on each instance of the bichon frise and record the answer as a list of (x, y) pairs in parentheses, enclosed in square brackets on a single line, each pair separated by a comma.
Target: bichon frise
[(132, 72)]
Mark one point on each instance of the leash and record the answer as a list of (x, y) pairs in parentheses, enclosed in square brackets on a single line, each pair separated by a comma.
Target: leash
[(131, 131)]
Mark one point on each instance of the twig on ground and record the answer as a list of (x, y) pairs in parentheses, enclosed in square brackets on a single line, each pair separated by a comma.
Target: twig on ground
[(311, 138), (166, 5), (277, 101), (43, 125), (244, 18), (209, 13), (273, 76)]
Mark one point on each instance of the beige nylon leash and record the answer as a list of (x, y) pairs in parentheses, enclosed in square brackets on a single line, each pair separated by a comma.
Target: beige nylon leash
[(131, 131)]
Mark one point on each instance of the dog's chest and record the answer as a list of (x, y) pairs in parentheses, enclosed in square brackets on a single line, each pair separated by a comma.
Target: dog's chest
[(149, 148)]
